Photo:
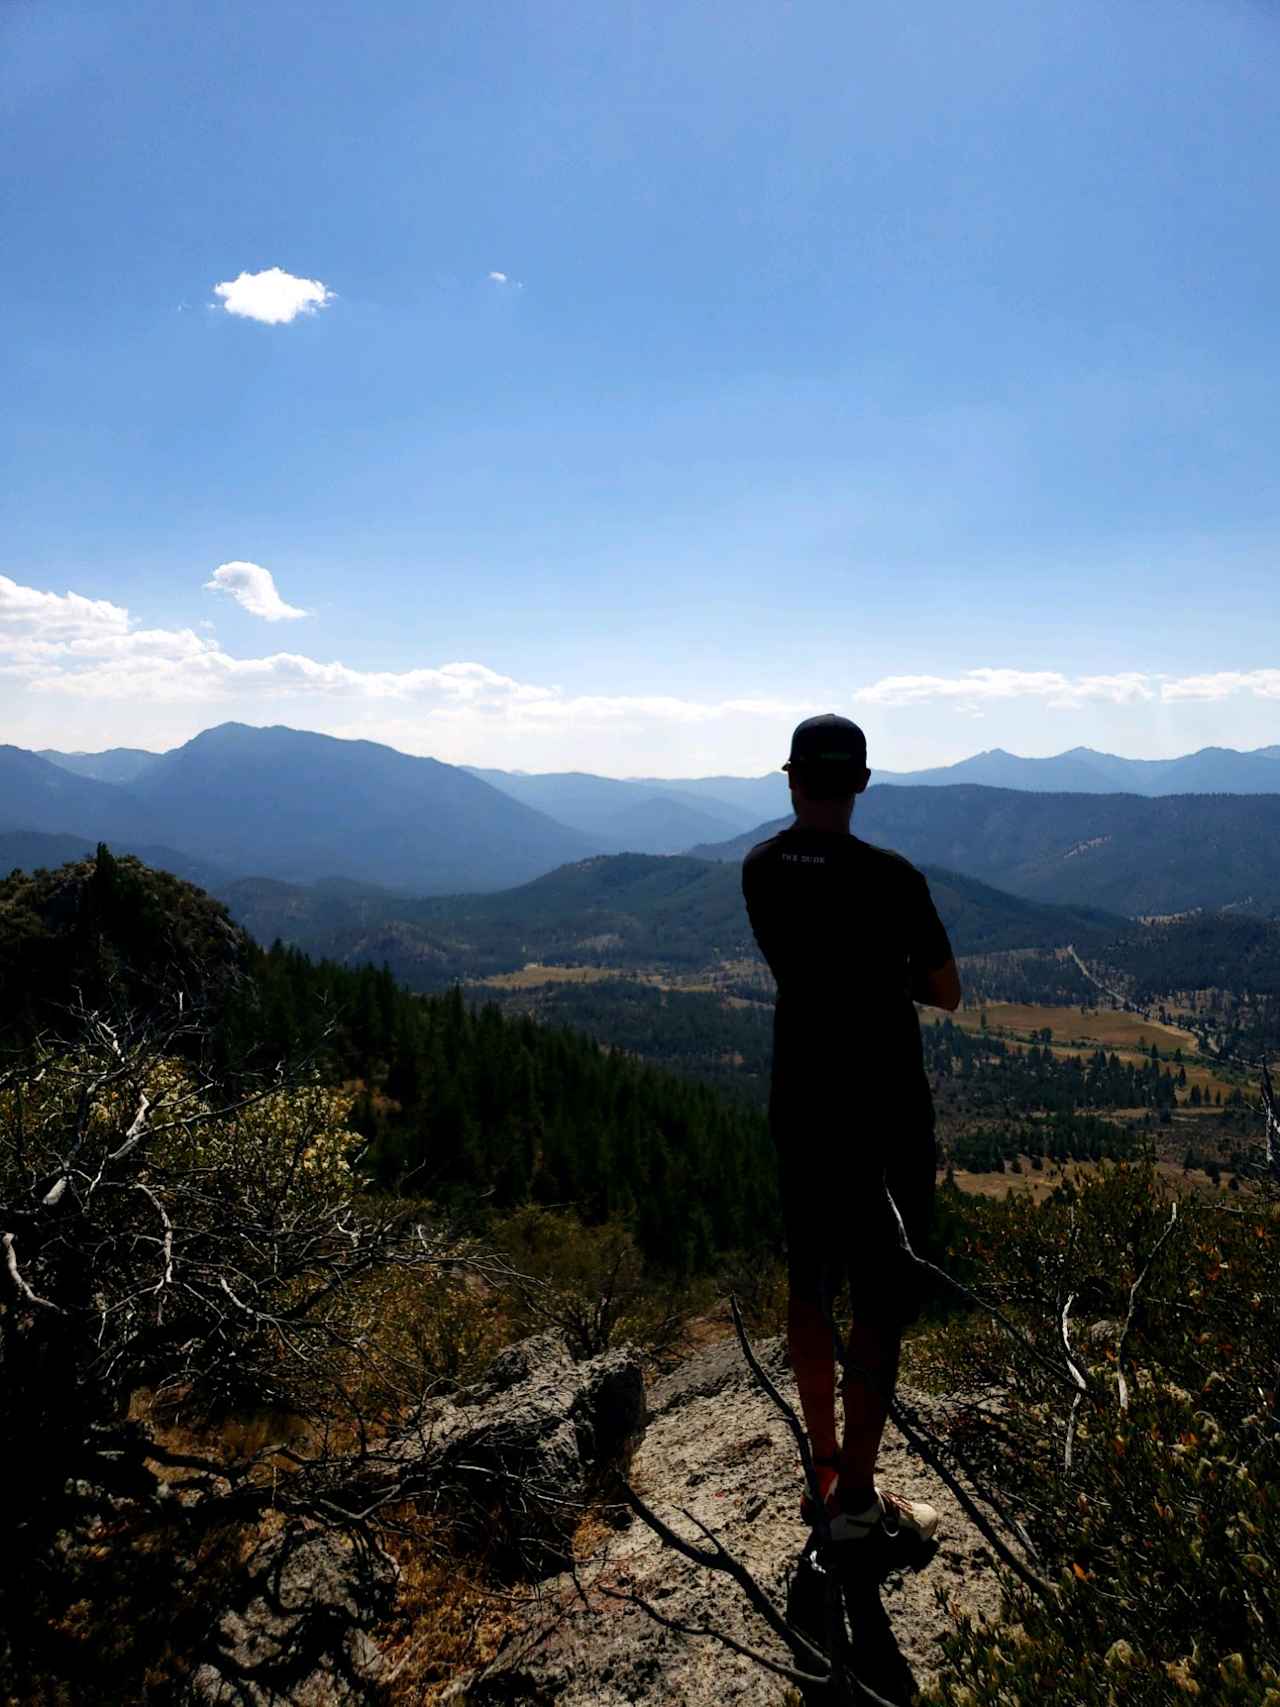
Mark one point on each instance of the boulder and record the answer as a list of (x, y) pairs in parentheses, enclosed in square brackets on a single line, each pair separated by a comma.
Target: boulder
[(517, 1459)]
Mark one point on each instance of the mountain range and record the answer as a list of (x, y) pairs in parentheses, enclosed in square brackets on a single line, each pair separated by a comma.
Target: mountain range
[(286, 803), (1116, 851), (667, 815), (298, 808), (1082, 770)]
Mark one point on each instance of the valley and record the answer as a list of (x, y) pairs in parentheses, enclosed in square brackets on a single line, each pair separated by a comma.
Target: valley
[(362, 856)]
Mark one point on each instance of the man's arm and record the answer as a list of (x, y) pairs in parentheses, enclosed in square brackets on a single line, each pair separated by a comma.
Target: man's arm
[(939, 988)]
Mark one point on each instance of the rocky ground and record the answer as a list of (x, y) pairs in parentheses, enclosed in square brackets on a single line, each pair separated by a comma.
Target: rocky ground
[(716, 1448)]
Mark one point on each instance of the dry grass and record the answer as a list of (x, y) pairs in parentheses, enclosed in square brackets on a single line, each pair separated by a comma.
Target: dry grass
[(1038, 1185), (536, 976), (1108, 1027), (533, 975), (446, 1619)]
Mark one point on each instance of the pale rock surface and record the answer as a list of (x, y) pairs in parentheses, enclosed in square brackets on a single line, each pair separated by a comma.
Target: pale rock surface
[(717, 1447), (298, 1631)]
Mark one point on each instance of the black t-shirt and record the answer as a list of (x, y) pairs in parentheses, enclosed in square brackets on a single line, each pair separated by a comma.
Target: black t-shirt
[(847, 929)]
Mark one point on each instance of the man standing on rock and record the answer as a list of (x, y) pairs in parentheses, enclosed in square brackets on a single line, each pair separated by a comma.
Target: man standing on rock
[(853, 940)]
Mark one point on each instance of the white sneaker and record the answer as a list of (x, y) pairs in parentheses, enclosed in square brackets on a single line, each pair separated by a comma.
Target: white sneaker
[(889, 1513)]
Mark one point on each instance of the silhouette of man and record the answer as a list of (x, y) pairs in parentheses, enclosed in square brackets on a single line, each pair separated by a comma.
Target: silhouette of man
[(852, 937)]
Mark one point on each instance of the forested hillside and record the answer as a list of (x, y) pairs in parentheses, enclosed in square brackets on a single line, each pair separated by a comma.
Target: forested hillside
[(619, 911), (456, 1101), (1232, 952)]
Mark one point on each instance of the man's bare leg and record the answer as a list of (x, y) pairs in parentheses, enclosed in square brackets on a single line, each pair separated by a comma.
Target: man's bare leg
[(812, 1352), (866, 1408)]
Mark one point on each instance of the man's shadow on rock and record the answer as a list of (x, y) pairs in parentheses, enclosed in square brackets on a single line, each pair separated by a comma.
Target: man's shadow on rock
[(834, 1592)]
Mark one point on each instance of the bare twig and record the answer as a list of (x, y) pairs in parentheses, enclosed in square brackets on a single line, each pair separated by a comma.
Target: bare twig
[(682, 1627), (1081, 1389), (718, 1558), (15, 1274), (917, 1436), (962, 1291), (787, 1412), (1133, 1304), (1272, 1112)]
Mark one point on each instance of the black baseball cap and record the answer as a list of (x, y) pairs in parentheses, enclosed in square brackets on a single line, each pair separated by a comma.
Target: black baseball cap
[(828, 740)]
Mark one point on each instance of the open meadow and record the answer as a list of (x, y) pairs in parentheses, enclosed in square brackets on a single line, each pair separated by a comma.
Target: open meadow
[(1079, 1030)]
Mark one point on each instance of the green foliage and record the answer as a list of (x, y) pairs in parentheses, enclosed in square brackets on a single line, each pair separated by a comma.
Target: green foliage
[(1161, 1543), (470, 1105), (621, 911), (590, 1283), (693, 1032), (997, 1076), (110, 934)]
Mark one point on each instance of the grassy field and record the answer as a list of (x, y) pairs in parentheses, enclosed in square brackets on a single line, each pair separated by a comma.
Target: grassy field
[(1039, 1184), (531, 976), (535, 975), (1105, 1026), (1081, 1030)]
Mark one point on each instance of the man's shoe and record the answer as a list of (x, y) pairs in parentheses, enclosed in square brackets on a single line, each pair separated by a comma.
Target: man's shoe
[(890, 1515)]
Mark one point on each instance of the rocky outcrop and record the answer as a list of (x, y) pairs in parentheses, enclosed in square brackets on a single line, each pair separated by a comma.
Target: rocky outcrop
[(518, 1455), (525, 1447), (717, 1450)]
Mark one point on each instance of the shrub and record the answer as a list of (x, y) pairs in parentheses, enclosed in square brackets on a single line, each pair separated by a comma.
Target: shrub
[(1160, 1543)]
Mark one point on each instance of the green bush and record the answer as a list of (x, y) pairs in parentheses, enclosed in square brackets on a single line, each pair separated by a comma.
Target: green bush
[(1160, 1545)]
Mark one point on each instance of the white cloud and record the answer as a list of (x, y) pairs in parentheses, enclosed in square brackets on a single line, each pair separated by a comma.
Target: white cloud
[(499, 278), (61, 615), (252, 586), (272, 296), (81, 664), (77, 649), (977, 687), (1264, 683)]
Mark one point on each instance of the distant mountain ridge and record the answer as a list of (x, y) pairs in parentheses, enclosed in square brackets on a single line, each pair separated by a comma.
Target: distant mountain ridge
[(667, 814), (623, 816), (286, 803), (1122, 852), (595, 804), (1082, 770), (299, 807), (116, 764)]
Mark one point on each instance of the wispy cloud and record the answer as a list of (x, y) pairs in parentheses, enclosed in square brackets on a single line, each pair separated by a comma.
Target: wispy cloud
[(504, 281), (75, 650), (272, 296), (981, 686), (1264, 683), (252, 586), (69, 646)]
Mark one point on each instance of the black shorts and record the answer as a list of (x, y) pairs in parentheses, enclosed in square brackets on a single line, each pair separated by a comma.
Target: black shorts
[(838, 1224)]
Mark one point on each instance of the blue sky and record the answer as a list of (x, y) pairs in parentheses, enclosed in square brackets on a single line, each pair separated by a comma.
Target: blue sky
[(668, 373)]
